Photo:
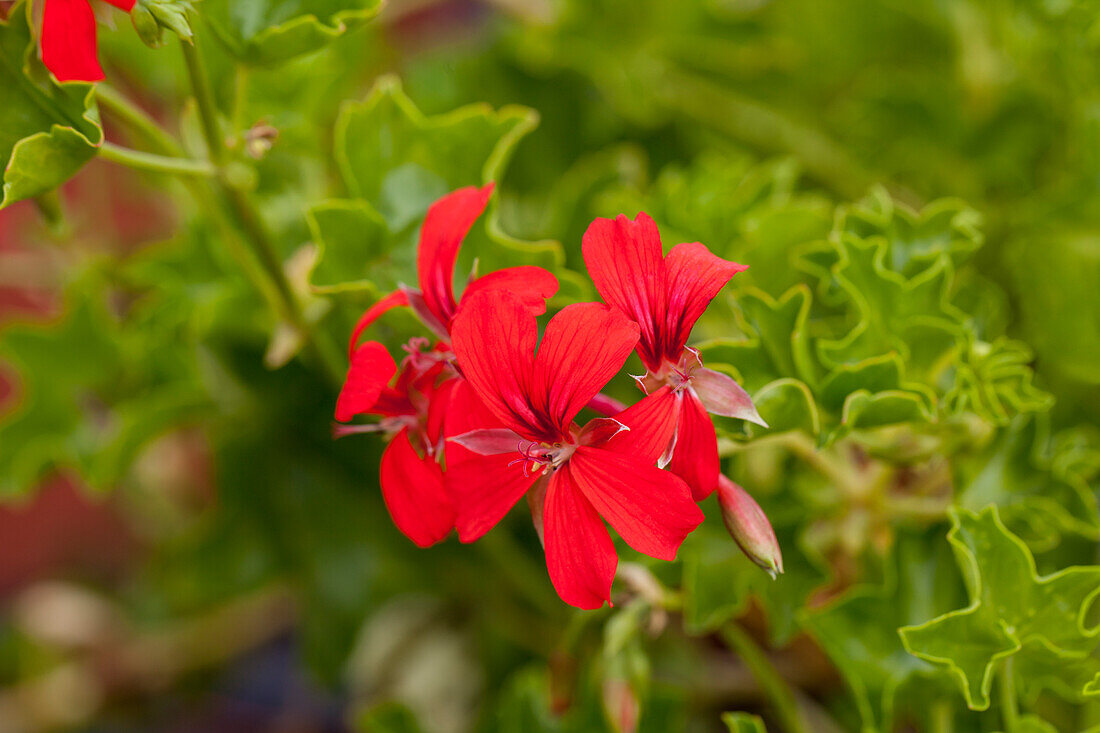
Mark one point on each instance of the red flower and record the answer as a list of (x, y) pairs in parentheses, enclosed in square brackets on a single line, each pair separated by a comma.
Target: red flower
[(666, 296), (412, 413), (427, 389), (605, 469), (68, 40)]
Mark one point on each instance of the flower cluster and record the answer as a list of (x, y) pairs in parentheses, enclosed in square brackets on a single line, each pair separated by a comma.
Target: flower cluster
[(487, 415)]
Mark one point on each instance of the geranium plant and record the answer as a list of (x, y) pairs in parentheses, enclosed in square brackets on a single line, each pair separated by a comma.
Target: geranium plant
[(401, 351)]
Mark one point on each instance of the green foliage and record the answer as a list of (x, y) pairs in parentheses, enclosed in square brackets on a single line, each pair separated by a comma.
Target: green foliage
[(1014, 612), (743, 723), (48, 131), (264, 32), (927, 366)]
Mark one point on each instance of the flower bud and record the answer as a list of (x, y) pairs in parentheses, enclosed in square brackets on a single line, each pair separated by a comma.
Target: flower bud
[(621, 705), (147, 27), (749, 526)]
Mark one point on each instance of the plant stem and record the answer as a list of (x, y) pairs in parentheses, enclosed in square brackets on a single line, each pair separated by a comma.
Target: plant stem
[(775, 688), (154, 163), (1010, 711), (942, 717), (248, 220), (138, 120)]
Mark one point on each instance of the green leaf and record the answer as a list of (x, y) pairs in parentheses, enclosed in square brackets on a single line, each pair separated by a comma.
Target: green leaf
[(354, 243), (743, 723), (779, 346), (893, 313), (1011, 605), (994, 380), (394, 184), (863, 410), (859, 630), (58, 366), (267, 32), (1037, 500), (786, 404), (915, 240), (48, 131), (716, 582)]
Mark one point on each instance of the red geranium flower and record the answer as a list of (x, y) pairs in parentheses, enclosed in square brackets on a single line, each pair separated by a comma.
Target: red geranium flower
[(666, 296), (428, 395), (68, 39), (412, 413), (605, 469)]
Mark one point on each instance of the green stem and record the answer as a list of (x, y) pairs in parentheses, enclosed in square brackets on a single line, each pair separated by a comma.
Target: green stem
[(943, 718), (776, 689), (137, 120), (204, 100), (1010, 711), (154, 163), (247, 218)]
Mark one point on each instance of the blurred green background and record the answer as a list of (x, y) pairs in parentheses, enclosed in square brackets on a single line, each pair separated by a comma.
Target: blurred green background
[(185, 548)]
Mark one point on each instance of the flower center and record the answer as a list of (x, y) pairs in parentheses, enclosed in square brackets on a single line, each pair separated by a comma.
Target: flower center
[(543, 456)]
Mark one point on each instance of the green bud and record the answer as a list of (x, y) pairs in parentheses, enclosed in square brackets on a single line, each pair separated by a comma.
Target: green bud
[(146, 25)]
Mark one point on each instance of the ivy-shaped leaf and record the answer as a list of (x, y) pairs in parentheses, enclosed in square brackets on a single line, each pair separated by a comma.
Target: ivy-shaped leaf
[(266, 32), (995, 381), (1039, 502), (915, 240), (368, 242), (859, 631), (1012, 611), (910, 316), (48, 131), (778, 347)]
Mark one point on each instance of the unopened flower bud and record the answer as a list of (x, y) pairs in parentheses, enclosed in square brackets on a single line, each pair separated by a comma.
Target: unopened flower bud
[(621, 705), (749, 526), (148, 29)]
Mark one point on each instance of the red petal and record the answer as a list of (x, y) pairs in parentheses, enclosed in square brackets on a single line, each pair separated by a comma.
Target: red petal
[(580, 556), (466, 412), (584, 346), (652, 422), (721, 395), (694, 277), (695, 457), (651, 509), (491, 441), (414, 492), (605, 405), (448, 221), (393, 300), (625, 262), (494, 337), (68, 40), (484, 489), (533, 285), (126, 5), (370, 371)]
